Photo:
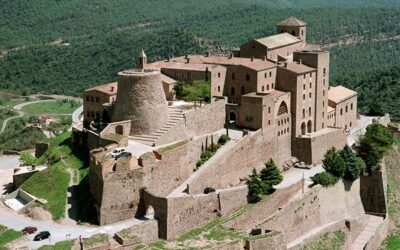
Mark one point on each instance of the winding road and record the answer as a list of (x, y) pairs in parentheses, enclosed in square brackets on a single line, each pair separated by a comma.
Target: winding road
[(18, 108)]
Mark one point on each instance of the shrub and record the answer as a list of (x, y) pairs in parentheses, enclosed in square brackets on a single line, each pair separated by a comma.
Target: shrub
[(333, 163), (375, 108), (206, 155), (373, 145), (325, 179), (28, 159), (223, 139)]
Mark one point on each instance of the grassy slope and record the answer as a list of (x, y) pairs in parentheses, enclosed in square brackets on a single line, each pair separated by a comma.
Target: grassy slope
[(52, 183), (8, 235), (53, 107), (392, 161)]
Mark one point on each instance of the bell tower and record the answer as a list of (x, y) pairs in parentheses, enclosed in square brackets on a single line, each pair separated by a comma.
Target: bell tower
[(293, 26)]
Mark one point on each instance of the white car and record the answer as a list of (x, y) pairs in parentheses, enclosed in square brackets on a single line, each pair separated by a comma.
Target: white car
[(117, 152)]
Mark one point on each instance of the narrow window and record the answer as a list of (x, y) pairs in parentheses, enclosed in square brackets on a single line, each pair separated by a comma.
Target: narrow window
[(347, 109), (351, 106), (247, 77), (304, 113), (309, 111), (233, 76), (270, 74), (323, 93), (232, 91), (341, 111), (310, 85), (267, 87), (219, 88), (272, 86), (309, 95), (219, 74), (265, 75), (269, 110), (304, 97), (304, 87), (242, 90), (262, 88)]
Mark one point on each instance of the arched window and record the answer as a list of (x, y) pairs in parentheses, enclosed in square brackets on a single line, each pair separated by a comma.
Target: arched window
[(283, 109), (309, 111), (219, 88), (119, 130), (309, 126), (303, 128), (242, 90)]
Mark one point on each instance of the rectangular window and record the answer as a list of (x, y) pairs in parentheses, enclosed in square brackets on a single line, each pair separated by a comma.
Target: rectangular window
[(247, 77)]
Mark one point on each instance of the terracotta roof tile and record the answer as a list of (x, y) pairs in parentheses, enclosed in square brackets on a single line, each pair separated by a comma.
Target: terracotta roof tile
[(279, 40), (108, 88), (339, 93), (291, 21), (298, 68)]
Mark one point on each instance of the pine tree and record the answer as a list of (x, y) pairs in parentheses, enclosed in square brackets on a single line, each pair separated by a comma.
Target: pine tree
[(333, 163), (271, 176), (255, 186), (354, 164)]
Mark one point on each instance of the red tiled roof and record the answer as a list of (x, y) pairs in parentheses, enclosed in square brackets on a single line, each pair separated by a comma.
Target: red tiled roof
[(105, 88)]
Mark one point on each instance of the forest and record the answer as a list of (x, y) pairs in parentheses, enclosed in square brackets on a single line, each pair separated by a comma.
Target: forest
[(65, 46)]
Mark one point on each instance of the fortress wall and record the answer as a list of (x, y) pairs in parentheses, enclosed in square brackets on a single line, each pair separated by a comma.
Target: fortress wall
[(264, 209), (188, 212), (251, 151), (317, 207), (274, 240), (312, 150), (116, 127), (169, 167), (205, 120), (232, 199), (178, 215), (373, 193)]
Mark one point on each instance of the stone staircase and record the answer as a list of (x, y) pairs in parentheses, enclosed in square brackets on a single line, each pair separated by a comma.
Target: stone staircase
[(174, 117), (367, 233)]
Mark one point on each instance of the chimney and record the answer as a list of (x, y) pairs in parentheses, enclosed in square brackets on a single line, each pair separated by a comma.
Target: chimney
[(252, 58), (231, 55), (299, 61), (285, 64), (264, 58), (207, 54)]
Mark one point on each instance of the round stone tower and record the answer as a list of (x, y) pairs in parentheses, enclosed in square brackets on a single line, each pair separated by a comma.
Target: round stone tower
[(141, 99)]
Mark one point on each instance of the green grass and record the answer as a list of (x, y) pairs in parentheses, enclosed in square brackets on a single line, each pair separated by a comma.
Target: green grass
[(51, 107), (63, 245), (50, 184), (8, 235), (331, 241), (96, 239)]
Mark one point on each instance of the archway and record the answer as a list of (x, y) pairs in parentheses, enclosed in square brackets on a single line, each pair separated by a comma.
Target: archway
[(309, 126), (119, 130), (303, 128), (232, 117), (283, 109)]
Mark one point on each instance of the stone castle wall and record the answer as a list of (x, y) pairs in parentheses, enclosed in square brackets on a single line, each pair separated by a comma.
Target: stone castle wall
[(312, 149), (205, 120), (236, 164), (317, 207), (177, 215)]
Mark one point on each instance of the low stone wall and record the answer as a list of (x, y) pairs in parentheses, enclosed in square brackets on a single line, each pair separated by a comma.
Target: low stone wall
[(19, 179), (317, 207), (40, 149), (273, 240), (177, 215), (122, 127), (145, 233), (380, 234), (264, 209), (205, 120)]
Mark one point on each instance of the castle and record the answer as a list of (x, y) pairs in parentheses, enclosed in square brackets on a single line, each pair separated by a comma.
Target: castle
[(274, 90)]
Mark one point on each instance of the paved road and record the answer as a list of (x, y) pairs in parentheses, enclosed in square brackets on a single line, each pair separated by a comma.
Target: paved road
[(76, 115), (58, 232), (21, 105)]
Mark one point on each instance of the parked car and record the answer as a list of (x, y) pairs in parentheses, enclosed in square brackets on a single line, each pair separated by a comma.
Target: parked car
[(123, 154), (42, 236), (117, 152), (29, 230), (208, 190), (301, 165)]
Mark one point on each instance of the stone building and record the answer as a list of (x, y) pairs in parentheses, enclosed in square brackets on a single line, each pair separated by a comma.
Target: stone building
[(275, 89)]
